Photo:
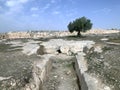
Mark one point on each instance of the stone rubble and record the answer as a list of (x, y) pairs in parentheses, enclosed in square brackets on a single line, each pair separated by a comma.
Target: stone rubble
[(66, 47)]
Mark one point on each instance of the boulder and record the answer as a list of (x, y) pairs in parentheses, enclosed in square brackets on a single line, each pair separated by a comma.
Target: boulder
[(65, 49)]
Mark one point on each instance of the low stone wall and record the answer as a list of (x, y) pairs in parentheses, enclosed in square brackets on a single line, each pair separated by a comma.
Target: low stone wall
[(101, 31), (3, 36), (41, 70), (79, 72), (47, 34), (87, 81), (14, 35)]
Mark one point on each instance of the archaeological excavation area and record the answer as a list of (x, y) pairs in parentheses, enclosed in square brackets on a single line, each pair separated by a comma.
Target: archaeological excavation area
[(60, 61)]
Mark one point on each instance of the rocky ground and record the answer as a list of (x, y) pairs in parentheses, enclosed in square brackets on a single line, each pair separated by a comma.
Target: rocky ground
[(16, 65), (15, 70), (18, 56), (105, 65)]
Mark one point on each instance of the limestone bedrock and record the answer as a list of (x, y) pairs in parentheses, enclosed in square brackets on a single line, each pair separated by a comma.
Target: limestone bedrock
[(66, 47)]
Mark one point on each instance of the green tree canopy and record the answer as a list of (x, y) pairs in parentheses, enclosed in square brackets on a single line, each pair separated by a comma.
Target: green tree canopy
[(80, 25)]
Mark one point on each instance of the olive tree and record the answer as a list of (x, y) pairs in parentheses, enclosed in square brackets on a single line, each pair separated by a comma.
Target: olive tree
[(80, 25)]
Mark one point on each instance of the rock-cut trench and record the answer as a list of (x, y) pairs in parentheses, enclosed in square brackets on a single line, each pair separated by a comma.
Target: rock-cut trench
[(62, 76)]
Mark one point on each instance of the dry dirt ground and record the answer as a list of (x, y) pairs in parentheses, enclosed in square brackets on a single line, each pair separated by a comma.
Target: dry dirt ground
[(17, 67), (105, 65)]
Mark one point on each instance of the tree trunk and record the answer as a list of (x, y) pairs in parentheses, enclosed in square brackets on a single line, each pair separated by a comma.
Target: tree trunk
[(79, 34)]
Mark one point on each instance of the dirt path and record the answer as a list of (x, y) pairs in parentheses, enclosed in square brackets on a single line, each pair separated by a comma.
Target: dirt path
[(62, 76)]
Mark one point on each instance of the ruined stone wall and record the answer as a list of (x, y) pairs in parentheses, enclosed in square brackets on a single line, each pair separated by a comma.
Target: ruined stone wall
[(3, 36), (13, 35), (101, 31)]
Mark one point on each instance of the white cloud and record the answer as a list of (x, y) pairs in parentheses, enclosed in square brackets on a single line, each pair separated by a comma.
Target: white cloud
[(15, 5), (0, 7), (56, 12), (104, 10), (45, 7), (71, 12), (72, 1), (34, 9), (35, 15), (53, 1), (23, 1)]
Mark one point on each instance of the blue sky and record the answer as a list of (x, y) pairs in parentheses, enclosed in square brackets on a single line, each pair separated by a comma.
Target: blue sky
[(23, 15)]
